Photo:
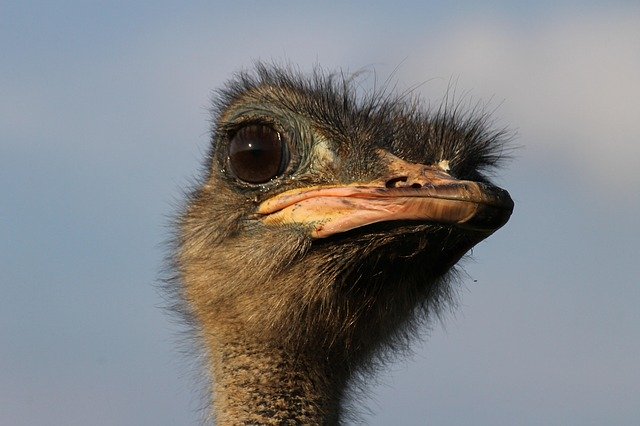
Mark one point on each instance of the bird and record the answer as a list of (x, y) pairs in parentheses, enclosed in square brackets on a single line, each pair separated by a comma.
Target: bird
[(325, 228)]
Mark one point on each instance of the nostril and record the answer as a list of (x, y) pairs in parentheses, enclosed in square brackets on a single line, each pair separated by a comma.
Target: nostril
[(416, 185), (396, 182)]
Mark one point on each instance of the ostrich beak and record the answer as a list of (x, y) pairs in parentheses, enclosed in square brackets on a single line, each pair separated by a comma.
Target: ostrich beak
[(409, 191)]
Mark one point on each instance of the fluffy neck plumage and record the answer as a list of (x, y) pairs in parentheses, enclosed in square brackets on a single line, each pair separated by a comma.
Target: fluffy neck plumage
[(288, 329), (256, 382)]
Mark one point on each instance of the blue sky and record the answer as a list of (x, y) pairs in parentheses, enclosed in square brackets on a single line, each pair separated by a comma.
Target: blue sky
[(103, 119)]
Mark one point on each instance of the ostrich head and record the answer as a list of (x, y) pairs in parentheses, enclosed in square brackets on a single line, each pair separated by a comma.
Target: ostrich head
[(326, 225)]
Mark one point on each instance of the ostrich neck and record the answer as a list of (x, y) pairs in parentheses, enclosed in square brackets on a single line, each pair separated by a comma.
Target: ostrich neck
[(257, 383)]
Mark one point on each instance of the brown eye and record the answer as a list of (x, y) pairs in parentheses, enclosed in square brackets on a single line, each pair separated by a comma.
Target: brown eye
[(257, 154)]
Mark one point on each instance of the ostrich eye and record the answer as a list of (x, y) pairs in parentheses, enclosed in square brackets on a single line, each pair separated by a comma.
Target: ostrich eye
[(257, 153)]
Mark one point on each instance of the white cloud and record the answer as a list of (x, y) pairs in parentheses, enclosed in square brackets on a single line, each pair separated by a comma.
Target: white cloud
[(571, 88)]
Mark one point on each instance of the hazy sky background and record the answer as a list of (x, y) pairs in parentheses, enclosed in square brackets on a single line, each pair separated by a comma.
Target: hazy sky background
[(103, 119)]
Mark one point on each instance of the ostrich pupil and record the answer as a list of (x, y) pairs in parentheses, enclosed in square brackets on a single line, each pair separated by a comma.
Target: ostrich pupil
[(256, 154)]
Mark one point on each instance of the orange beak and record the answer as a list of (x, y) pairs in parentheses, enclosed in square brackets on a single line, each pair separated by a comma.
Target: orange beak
[(409, 192)]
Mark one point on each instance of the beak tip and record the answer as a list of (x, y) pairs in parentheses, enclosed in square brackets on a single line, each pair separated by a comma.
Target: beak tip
[(493, 215)]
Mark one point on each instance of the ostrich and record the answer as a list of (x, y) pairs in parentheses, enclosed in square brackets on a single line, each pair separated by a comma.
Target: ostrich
[(325, 228)]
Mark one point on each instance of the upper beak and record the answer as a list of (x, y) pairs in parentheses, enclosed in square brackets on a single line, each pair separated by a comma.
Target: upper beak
[(409, 191)]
